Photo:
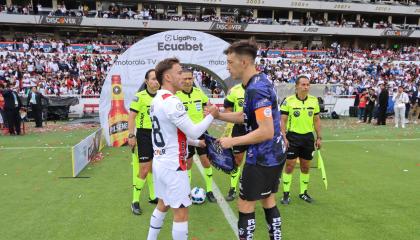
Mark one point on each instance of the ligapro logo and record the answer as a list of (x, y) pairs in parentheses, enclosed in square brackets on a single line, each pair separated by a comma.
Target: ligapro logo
[(179, 43)]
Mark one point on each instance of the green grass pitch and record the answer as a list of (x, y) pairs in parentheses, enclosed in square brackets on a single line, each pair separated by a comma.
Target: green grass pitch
[(373, 190)]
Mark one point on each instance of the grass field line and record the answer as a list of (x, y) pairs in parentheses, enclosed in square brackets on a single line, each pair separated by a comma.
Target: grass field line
[(23, 148), (227, 211), (373, 140)]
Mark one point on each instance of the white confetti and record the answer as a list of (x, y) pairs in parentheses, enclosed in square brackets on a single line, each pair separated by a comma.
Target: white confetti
[(49, 171), (50, 158), (5, 174), (405, 170)]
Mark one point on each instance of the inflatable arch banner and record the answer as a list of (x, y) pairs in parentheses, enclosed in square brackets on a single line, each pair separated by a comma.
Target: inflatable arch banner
[(127, 73)]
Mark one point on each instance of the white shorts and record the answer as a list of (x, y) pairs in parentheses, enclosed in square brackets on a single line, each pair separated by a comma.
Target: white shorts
[(173, 187)]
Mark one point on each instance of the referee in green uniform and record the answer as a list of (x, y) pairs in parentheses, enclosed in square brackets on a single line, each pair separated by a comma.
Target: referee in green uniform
[(234, 102), (195, 101), (300, 117), (139, 114)]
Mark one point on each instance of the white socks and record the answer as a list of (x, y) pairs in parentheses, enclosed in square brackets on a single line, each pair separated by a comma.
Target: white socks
[(156, 222), (180, 230)]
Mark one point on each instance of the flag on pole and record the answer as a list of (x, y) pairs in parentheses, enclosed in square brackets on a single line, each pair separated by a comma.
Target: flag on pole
[(322, 167)]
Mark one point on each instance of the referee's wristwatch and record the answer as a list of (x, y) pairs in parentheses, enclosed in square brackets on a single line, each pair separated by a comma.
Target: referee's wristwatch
[(131, 135)]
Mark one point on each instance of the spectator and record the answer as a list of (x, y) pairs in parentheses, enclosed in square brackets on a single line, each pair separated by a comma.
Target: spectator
[(400, 100), (382, 105), (362, 104), (371, 99)]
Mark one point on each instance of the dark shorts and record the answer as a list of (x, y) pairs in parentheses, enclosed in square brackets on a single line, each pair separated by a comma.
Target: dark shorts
[(258, 182), (200, 151), (300, 146), (144, 145), (239, 130)]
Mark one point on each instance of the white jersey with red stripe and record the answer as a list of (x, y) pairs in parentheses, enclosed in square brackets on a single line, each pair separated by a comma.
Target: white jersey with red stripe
[(169, 142)]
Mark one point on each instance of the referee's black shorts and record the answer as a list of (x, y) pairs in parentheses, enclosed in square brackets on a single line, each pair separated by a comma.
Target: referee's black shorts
[(200, 151), (258, 182), (144, 145), (237, 131), (300, 145)]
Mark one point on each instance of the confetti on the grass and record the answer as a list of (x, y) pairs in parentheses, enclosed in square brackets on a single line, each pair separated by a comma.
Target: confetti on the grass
[(405, 170)]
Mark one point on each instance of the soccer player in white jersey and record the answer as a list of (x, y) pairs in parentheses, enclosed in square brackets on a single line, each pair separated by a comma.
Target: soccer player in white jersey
[(171, 127)]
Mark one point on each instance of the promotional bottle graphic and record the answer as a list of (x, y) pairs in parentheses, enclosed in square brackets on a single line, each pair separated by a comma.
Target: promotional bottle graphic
[(118, 115)]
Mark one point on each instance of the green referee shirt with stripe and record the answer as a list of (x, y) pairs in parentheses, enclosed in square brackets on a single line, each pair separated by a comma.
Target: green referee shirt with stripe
[(141, 105), (300, 113), (194, 103), (235, 98)]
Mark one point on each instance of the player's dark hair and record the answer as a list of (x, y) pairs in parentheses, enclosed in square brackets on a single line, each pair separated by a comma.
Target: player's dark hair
[(187, 70), (243, 47), (146, 76), (164, 66), (300, 77)]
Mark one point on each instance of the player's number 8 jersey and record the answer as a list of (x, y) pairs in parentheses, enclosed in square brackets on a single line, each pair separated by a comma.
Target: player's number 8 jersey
[(169, 143)]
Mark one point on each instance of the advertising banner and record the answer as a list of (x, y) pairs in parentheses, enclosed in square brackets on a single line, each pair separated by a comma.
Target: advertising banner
[(60, 20), (85, 151), (397, 33), (228, 27), (125, 77)]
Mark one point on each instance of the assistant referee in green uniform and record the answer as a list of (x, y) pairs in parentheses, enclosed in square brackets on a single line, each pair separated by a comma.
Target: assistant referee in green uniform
[(139, 114), (195, 101), (300, 118)]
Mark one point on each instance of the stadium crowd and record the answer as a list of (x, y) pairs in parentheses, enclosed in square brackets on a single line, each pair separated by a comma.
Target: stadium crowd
[(237, 16), (59, 70), (56, 73)]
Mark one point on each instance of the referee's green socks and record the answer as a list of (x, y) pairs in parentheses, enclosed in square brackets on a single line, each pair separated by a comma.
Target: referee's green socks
[(138, 186), (287, 181), (304, 181), (208, 172), (151, 186), (189, 174), (234, 178)]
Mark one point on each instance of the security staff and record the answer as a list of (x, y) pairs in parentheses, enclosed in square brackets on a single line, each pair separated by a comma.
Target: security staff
[(300, 117), (12, 105), (195, 101), (35, 102), (139, 114), (234, 102)]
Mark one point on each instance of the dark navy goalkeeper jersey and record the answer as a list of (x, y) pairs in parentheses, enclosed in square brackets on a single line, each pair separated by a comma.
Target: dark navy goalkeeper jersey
[(260, 93)]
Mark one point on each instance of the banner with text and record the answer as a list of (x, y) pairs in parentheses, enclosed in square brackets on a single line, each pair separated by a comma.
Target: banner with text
[(194, 48)]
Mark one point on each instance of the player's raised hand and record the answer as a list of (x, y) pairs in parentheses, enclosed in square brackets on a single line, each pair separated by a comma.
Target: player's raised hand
[(213, 110), (225, 142), (202, 143)]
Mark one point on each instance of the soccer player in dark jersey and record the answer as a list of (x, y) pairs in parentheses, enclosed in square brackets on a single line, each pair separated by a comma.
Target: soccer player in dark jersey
[(265, 157), (140, 130)]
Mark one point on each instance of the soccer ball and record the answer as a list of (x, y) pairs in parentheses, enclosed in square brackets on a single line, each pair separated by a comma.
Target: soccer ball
[(198, 195)]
